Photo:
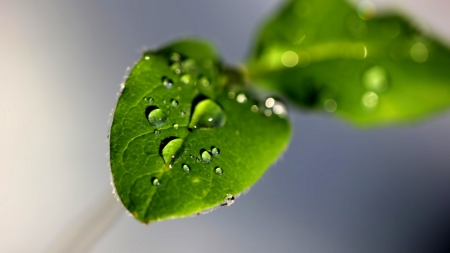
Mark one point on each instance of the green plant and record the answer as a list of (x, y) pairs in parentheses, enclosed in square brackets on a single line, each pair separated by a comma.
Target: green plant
[(190, 134)]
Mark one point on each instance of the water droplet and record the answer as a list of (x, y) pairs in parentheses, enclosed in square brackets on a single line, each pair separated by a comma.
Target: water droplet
[(164, 101), (174, 103), (172, 150), (186, 168), (289, 59), (147, 57), (155, 182), (189, 65), (241, 98), (149, 100), (175, 57), (197, 159), (186, 78), (268, 112), (370, 99), (228, 201), (215, 151), (366, 10), (204, 81), (192, 157), (206, 156), (375, 79), (270, 102), (157, 132), (176, 67), (254, 108), (175, 126), (330, 105), (231, 94), (167, 82), (157, 117), (207, 114), (419, 52), (218, 171), (279, 109)]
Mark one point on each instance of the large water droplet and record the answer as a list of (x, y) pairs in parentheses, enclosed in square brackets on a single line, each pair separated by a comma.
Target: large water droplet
[(157, 117), (186, 168), (419, 52), (228, 201), (370, 99), (155, 182), (215, 151), (218, 171), (206, 156), (375, 79), (171, 150), (167, 82), (207, 114)]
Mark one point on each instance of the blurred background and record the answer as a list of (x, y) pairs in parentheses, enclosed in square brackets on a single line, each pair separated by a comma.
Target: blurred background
[(336, 189)]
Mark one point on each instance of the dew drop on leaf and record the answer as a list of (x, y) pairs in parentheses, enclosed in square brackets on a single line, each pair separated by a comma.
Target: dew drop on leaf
[(206, 156), (183, 114), (186, 78), (157, 117), (171, 150), (207, 114), (175, 126), (167, 82), (204, 81), (254, 108), (215, 151), (241, 98), (155, 182), (218, 171), (370, 99), (174, 103), (149, 100), (375, 79), (186, 168), (228, 201), (156, 132)]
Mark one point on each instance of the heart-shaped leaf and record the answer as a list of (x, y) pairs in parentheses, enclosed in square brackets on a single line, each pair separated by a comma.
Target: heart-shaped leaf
[(182, 141), (327, 54)]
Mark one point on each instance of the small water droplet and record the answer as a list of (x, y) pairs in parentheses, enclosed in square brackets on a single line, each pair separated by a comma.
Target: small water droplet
[(175, 126), (366, 10), (189, 65), (279, 109), (419, 52), (147, 57), (289, 59), (186, 78), (370, 99), (174, 103), (270, 102), (231, 94), (157, 117), (176, 67), (198, 159), (215, 151), (148, 100), (330, 105), (172, 150), (186, 168), (175, 57), (241, 98), (192, 157), (157, 132), (228, 201), (164, 101), (254, 108), (204, 81), (375, 78), (167, 82), (206, 156), (268, 112), (218, 171), (155, 182), (207, 114), (183, 114)]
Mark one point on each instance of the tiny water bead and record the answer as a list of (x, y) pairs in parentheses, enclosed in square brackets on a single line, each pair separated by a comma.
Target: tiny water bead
[(419, 52), (175, 57), (228, 201), (270, 102), (218, 171), (157, 117), (174, 103), (167, 82), (186, 78), (241, 98), (149, 100), (254, 108), (176, 67), (370, 99), (206, 156), (330, 105), (375, 79), (175, 126), (207, 114), (172, 150), (186, 168), (155, 182), (204, 81), (157, 132), (183, 114), (215, 151), (279, 109), (147, 57)]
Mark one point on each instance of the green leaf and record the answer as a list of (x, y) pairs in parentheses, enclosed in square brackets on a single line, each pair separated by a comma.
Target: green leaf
[(182, 141), (329, 55)]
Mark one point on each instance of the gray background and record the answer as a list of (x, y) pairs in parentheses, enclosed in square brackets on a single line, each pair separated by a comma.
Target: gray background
[(336, 189)]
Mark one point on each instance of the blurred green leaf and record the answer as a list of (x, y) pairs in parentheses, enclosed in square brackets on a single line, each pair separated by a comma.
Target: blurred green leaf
[(369, 69), (181, 141)]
